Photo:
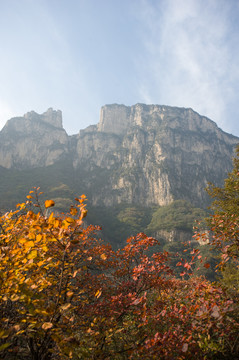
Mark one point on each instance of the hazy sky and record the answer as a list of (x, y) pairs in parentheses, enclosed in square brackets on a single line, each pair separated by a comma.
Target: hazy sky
[(77, 55)]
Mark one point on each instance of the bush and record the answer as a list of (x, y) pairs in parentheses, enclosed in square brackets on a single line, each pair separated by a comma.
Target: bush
[(64, 294)]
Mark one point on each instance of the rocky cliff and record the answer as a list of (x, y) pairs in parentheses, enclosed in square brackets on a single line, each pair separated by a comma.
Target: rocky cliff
[(33, 140), (143, 154), (153, 154)]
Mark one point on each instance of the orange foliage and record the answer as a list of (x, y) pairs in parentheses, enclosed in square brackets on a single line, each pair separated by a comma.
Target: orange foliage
[(65, 293)]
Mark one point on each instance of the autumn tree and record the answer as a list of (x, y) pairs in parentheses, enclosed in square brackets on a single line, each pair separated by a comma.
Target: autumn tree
[(65, 294), (224, 221), (43, 277)]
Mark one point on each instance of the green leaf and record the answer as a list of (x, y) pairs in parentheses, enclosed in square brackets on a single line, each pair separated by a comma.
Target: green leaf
[(4, 346)]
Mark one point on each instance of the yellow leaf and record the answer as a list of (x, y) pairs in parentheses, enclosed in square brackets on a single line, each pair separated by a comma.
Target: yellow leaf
[(39, 237), (49, 203), (21, 206), (20, 332), (31, 235), (103, 256), (29, 197), (65, 306), (98, 293), (73, 211), (56, 223), (32, 255), (40, 263), (51, 217), (22, 241), (30, 213), (65, 224), (43, 312), (29, 244), (75, 273), (14, 297), (70, 220), (47, 325), (84, 213)]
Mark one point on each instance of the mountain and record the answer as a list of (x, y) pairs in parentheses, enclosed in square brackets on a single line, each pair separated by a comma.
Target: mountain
[(33, 140), (153, 154), (135, 160)]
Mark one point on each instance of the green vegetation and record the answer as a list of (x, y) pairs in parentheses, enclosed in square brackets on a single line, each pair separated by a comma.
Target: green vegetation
[(178, 215), (15, 183), (136, 217), (62, 183), (120, 221), (224, 224)]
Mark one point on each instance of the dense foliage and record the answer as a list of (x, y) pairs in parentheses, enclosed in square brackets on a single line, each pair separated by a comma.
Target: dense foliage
[(118, 222), (65, 294), (177, 215), (224, 222), (224, 229)]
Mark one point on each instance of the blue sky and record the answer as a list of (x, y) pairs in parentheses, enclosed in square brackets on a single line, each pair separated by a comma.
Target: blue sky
[(78, 55)]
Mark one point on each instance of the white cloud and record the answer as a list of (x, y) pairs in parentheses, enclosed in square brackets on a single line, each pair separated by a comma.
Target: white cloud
[(190, 59), (79, 56)]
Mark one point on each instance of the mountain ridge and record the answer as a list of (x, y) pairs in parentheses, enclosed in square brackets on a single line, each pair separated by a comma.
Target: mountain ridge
[(142, 167), (139, 154)]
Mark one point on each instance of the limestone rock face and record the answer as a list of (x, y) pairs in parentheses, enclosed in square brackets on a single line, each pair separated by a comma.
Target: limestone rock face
[(141, 154), (174, 235), (114, 119), (33, 140), (154, 154), (51, 117)]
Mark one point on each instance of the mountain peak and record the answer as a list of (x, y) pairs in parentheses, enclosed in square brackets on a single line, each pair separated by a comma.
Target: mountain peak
[(139, 154), (117, 119), (52, 117)]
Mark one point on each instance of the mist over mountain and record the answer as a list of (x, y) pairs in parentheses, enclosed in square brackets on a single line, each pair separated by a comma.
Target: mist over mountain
[(136, 157)]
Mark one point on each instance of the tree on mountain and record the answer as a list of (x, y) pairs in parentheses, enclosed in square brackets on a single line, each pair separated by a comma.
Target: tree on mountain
[(224, 221), (224, 228), (66, 295)]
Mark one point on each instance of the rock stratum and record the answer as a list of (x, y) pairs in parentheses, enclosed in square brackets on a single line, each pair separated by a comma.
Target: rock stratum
[(141, 154)]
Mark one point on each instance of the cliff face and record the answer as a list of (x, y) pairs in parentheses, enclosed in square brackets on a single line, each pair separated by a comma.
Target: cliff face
[(143, 154), (155, 154), (33, 140)]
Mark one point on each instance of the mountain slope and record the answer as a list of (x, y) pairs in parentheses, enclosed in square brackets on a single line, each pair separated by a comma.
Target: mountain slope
[(143, 154), (153, 155), (136, 159)]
